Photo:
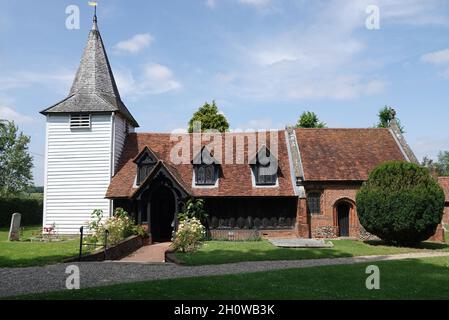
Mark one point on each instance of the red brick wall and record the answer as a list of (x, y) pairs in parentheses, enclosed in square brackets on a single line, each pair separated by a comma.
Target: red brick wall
[(325, 224), (446, 215), (302, 220)]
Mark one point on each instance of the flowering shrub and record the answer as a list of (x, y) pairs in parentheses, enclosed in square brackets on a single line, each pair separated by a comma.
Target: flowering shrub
[(189, 235), (119, 226)]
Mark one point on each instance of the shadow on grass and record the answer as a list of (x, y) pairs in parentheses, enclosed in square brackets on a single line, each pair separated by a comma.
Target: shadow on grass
[(32, 261), (406, 279), (422, 245), (217, 252), (222, 256)]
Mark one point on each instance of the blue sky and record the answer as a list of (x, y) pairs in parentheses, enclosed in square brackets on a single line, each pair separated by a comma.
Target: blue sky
[(263, 61)]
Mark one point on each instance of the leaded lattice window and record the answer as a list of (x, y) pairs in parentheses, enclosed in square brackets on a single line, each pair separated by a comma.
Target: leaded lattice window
[(205, 174), (314, 203), (264, 175)]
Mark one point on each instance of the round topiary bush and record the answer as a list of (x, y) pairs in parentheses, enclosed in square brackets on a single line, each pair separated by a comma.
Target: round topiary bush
[(400, 203)]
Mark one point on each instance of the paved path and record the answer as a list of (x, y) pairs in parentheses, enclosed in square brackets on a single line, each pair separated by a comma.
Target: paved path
[(152, 253), (15, 281)]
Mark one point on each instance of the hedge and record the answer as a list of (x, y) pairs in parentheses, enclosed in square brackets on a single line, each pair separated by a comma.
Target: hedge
[(30, 208), (400, 203)]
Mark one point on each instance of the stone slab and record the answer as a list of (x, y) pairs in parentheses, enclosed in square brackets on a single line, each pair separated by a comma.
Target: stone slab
[(301, 243)]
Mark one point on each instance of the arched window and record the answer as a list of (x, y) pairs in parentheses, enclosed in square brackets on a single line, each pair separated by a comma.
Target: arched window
[(314, 203)]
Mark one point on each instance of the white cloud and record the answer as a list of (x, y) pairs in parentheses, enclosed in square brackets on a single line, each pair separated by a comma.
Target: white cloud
[(211, 3), (412, 12), (272, 57), (257, 124), (440, 59), (154, 79), (8, 112), (429, 146), (135, 44), (60, 80), (315, 63), (255, 3), (326, 58), (437, 57), (157, 72), (261, 5), (12, 115)]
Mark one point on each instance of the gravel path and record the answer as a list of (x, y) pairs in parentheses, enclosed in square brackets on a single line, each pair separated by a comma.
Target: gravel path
[(15, 281)]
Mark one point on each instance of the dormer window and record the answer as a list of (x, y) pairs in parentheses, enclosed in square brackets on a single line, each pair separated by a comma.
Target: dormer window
[(145, 161), (79, 121), (264, 175), (265, 168), (205, 174), (205, 168)]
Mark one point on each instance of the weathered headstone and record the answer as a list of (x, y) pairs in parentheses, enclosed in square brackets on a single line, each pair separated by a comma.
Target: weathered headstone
[(14, 230)]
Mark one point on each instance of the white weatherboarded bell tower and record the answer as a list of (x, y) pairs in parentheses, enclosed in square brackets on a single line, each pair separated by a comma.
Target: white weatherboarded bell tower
[(85, 134)]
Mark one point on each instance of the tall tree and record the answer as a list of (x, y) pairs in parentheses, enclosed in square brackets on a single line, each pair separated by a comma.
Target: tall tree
[(439, 167), (309, 120), (443, 163), (210, 118), (15, 161), (428, 163), (386, 115)]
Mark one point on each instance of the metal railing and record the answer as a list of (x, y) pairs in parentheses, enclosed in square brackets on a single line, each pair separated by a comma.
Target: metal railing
[(103, 245)]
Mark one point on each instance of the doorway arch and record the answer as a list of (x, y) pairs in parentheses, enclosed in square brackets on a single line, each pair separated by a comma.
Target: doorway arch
[(344, 217), (161, 211)]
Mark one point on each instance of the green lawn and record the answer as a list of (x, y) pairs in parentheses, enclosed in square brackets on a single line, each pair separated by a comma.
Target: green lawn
[(219, 252), (408, 279), (25, 254)]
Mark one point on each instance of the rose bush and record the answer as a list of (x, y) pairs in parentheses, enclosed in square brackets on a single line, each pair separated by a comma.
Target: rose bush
[(119, 226), (189, 235)]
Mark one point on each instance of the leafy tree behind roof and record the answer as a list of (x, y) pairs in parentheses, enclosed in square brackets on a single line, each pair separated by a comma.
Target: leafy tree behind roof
[(210, 118), (309, 119), (439, 167), (386, 115)]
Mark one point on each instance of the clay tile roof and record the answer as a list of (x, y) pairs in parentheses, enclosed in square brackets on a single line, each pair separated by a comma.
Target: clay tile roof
[(345, 154), (234, 180), (171, 170), (444, 183)]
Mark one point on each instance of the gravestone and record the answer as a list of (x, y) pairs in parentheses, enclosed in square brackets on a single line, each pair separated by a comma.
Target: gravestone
[(14, 230)]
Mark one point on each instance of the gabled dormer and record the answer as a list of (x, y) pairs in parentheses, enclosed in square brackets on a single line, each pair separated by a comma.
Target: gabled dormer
[(206, 168), (264, 168), (145, 161)]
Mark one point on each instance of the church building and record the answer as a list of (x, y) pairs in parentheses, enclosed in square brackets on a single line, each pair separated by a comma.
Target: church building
[(95, 159)]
